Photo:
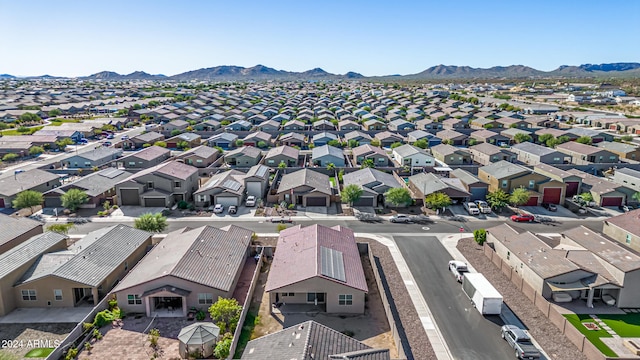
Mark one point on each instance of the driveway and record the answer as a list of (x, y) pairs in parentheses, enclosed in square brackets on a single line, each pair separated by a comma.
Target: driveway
[(469, 335), (45, 315), (135, 211)]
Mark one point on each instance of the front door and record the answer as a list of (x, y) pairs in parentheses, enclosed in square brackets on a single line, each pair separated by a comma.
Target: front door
[(312, 297)]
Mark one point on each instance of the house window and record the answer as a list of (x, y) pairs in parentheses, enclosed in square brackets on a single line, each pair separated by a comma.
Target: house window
[(532, 183), (508, 255), (612, 157), (505, 183), (198, 161), (126, 266), (203, 198), (288, 294), (556, 159), (134, 300), (270, 161), (150, 184), (205, 299), (312, 297), (176, 184), (132, 163), (57, 294), (29, 295), (345, 299), (628, 240)]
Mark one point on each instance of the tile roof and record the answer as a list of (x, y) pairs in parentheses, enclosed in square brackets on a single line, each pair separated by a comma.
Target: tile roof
[(299, 256), (200, 151), (366, 176), (150, 136), (305, 177), (308, 341), (100, 153), (14, 227), (326, 150), (206, 255), (409, 150), (249, 151), (608, 250), (466, 177), (95, 183), (15, 257), (367, 149), (577, 147), (93, 258), (488, 149), (616, 146), (504, 169), (283, 150), (13, 184)]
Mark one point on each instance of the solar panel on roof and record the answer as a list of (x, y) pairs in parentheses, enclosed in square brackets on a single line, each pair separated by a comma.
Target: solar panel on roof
[(231, 185), (332, 264), (261, 171)]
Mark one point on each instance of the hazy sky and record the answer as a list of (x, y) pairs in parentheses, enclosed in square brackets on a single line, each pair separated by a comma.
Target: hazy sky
[(77, 38)]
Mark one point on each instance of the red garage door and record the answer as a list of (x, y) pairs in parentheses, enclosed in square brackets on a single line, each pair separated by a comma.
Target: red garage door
[(533, 201), (1, 203), (611, 201), (572, 188), (551, 195)]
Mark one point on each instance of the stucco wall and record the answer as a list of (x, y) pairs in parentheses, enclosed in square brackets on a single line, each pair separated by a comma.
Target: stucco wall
[(331, 290)]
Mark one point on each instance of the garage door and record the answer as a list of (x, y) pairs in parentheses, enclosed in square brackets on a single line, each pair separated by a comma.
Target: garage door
[(52, 202), (364, 201), (533, 201), (478, 193), (316, 201), (155, 202), (1, 203), (572, 188), (551, 195), (130, 197), (227, 200), (611, 201), (254, 188)]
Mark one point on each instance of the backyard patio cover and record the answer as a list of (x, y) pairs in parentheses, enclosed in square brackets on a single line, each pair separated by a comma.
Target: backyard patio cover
[(577, 285)]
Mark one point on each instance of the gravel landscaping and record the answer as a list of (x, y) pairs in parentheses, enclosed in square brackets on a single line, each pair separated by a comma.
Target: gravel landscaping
[(418, 343), (546, 334)]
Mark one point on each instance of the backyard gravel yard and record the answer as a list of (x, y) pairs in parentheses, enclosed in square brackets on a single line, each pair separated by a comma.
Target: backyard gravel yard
[(544, 332), (25, 337)]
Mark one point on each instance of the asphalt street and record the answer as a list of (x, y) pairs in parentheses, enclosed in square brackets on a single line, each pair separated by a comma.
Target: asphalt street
[(469, 335)]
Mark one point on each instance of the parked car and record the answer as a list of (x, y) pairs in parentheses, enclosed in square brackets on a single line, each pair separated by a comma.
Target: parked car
[(110, 136), (483, 206), (124, 138), (400, 218), (458, 269), (550, 207), (522, 218), (520, 342), (218, 209), (624, 208), (281, 220), (233, 209), (471, 208), (251, 201)]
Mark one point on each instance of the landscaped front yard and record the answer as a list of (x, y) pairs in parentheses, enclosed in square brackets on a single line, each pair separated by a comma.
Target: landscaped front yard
[(626, 326)]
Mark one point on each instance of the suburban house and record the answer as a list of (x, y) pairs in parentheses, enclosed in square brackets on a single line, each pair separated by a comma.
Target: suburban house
[(327, 154), (223, 140), (138, 141), (99, 187), (451, 155), (401, 125), (159, 186), (95, 158), (35, 179), (348, 125), (256, 180), (245, 156), (84, 273), (388, 138), (623, 151), (582, 154), (293, 125), (595, 135), (323, 124), (471, 183), (60, 134), (624, 229), (269, 125), (580, 263), (224, 188), (318, 265), (323, 138), (240, 125), (258, 137), (185, 270), (200, 156), (374, 125), (359, 136), (310, 340), (453, 124), (282, 154), (627, 177), (573, 182), (416, 135), (190, 139), (452, 136), (374, 184), (534, 154), (409, 155), (508, 177), (305, 188), (292, 139), (16, 231), (485, 153), (373, 153), (428, 124), (603, 191), (18, 259), (144, 159), (423, 184), (490, 137), (173, 125)]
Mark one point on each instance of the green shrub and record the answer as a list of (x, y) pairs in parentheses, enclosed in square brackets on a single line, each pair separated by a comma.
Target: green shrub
[(291, 206), (281, 227), (182, 205), (71, 354), (480, 236)]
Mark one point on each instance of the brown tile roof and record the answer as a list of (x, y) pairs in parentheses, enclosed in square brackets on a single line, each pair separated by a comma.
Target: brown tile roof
[(299, 256), (609, 251), (629, 222)]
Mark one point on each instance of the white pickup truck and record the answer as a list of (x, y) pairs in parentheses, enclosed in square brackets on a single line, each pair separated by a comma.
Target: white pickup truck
[(471, 208), (458, 269)]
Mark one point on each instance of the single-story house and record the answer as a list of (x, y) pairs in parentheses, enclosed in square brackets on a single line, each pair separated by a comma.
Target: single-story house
[(223, 140), (245, 156), (95, 158), (369, 152), (35, 179), (200, 156), (451, 155), (582, 154), (534, 154), (99, 187), (16, 231), (327, 154), (282, 154), (225, 188), (191, 139), (374, 184), (305, 188), (423, 184), (323, 138), (624, 229), (485, 153), (409, 155), (292, 139), (144, 159), (472, 184)]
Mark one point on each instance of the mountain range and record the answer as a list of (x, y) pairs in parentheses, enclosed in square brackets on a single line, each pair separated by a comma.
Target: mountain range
[(438, 72)]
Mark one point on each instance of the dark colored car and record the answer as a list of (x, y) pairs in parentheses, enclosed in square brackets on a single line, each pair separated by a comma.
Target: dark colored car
[(550, 207)]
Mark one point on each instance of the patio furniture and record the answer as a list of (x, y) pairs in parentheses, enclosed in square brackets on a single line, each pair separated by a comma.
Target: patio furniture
[(608, 299), (561, 297)]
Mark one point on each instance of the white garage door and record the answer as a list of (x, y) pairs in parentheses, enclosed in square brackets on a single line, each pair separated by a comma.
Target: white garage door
[(254, 188), (227, 200)]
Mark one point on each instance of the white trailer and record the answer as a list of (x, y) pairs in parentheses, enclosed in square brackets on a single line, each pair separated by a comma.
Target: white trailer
[(484, 296)]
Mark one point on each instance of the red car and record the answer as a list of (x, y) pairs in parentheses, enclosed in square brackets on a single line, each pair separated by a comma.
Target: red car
[(523, 217)]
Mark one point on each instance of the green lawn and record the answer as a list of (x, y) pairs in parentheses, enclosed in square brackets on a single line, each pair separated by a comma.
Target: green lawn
[(39, 353), (332, 180), (62, 121), (592, 335), (627, 325), (12, 132)]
